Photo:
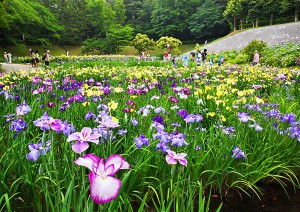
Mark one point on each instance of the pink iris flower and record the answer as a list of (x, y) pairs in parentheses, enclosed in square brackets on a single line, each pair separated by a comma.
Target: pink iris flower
[(104, 187), (82, 138), (173, 157)]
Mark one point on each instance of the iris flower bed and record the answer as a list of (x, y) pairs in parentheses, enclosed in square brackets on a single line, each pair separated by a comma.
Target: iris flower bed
[(137, 138)]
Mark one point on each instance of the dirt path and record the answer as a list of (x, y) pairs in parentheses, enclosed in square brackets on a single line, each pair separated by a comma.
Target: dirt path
[(8, 68)]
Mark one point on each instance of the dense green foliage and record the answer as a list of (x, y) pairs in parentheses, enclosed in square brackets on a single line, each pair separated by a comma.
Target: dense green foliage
[(71, 22), (276, 56), (142, 42)]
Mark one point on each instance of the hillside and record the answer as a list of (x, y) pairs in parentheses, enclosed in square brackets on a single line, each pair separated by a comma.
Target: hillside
[(273, 35)]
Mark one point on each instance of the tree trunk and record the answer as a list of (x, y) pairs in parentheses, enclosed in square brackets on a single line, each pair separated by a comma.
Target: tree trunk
[(234, 24), (271, 20), (256, 22), (241, 23), (296, 14)]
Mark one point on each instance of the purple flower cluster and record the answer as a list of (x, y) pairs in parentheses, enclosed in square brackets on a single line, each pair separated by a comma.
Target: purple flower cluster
[(36, 150), (238, 153)]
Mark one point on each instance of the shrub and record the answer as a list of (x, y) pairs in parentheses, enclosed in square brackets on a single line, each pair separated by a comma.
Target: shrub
[(258, 45)]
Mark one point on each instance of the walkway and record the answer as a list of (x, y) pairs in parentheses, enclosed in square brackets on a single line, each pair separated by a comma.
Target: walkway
[(8, 68)]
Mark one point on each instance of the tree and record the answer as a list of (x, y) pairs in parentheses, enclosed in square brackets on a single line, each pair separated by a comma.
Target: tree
[(120, 35), (142, 42), (270, 7), (169, 17), (28, 22), (255, 10), (294, 4), (235, 9), (120, 11), (208, 20), (174, 42)]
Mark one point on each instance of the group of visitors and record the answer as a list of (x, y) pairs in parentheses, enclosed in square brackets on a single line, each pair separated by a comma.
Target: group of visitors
[(144, 56), (7, 57), (35, 58)]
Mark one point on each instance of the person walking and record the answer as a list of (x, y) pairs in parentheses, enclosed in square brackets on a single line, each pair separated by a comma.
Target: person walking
[(203, 56), (32, 57), (185, 60), (9, 57), (168, 47), (47, 58), (36, 58), (256, 58), (5, 57)]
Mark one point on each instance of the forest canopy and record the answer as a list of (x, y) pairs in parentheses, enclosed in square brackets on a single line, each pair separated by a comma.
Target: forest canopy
[(71, 22)]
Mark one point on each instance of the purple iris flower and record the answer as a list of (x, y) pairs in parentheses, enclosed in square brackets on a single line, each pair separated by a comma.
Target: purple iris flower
[(238, 153), (257, 86), (159, 127), (158, 119), (141, 140), (23, 109), (254, 107), (18, 125), (173, 99), (104, 186), (50, 104), (144, 110), (9, 117), (173, 157), (134, 122), (126, 110), (183, 113), (89, 115), (36, 150), (229, 130), (244, 117), (189, 119), (162, 146), (198, 118), (178, 139), (82, 138), (175, 124), (108, 122), (159, 110), (256, 126), (68, 128), (197, 148), (289, 118), (130, 102), (47, 122), (122, 132)]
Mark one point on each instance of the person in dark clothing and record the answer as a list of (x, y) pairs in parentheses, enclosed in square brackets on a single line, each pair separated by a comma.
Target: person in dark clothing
[(204, 55)]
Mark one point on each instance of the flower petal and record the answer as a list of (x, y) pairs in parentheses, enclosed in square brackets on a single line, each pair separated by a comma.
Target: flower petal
[(170, 160), (74, 137), (86, 132), (104, 189), (171, 153), (89, 160), (57, 125), (33, 155), (80, 147), (119, 163), (94, 138), (182, 162)]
